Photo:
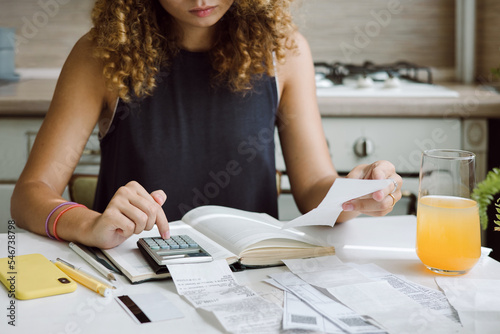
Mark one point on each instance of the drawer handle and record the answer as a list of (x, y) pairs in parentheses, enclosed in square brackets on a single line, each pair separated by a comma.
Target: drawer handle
[(89, 151)]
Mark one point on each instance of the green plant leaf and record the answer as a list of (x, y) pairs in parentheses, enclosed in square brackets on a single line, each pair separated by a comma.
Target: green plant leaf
[(498, 217), (496, 72), (484, 194)]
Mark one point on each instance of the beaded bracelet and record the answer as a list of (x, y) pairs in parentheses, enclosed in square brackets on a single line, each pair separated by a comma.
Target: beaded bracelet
[(50, 215), (59, 216)]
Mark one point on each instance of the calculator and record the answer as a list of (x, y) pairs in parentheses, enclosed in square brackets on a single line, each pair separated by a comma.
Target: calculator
[(177, 249)]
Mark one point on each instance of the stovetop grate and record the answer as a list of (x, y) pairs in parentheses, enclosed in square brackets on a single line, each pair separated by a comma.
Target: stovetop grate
[(336, 72)]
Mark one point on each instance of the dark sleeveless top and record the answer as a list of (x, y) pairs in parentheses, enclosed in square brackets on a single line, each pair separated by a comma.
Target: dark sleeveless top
[(202, 144)]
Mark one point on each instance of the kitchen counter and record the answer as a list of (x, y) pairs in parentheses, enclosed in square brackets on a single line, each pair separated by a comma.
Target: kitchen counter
[(32, 98), (26, 97), (473, 102)]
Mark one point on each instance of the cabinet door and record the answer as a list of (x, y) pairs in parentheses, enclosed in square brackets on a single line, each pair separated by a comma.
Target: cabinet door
[(5, 194), (14, 146), (16, 139), (6, 191)]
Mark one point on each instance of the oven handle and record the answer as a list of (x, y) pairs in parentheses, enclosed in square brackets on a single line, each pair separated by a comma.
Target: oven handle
[(410, 210), (412, 204)]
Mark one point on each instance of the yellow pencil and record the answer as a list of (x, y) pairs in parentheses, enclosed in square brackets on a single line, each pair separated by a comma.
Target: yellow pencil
[(84, 279)]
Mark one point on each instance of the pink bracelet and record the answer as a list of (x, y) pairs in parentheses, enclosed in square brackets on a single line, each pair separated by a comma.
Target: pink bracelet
[(59, 216), (50, 215)]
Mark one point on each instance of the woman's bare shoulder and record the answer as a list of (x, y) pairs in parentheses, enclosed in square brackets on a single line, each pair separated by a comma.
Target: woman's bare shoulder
[(298, 57), (83, 73), (82, 56)]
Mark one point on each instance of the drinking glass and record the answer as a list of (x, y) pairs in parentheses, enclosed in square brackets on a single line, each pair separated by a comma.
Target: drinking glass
[(448, 229)]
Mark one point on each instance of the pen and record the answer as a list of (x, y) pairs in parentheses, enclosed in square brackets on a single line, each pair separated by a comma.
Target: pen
[(84, 279), (93, 262), (97, 278)]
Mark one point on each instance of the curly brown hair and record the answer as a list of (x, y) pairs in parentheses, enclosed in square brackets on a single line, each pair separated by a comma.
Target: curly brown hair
[(133, 38)]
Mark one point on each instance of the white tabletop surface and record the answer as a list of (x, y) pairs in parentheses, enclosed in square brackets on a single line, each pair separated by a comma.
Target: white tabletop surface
[(388, 242)]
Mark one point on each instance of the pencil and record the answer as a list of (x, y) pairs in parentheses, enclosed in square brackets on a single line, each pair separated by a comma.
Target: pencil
[(85, 272), (83, 279)]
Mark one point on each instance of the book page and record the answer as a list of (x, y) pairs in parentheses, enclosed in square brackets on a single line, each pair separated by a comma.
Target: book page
[(236, 230), (128, 258)]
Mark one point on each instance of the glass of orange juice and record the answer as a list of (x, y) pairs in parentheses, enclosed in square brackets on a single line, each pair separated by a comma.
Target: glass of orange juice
[(448, 230)]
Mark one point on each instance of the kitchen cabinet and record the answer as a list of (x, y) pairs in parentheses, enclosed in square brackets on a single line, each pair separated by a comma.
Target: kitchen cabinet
[(408, 123), (17, 135), (5, 194), (362, 140), (13, 155)]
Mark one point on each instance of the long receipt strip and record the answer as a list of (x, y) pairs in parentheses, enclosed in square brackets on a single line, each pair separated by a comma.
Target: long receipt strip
[(212, 287), (341, 191), (299, 315), (427, 297), (344, 318), (330, 272), (476, 300), (399, 305)]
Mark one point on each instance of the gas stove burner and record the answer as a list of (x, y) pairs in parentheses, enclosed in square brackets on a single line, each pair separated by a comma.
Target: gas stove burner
[(336, 72)]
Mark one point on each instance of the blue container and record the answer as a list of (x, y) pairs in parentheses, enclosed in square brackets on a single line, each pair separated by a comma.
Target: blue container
[(7, 54)]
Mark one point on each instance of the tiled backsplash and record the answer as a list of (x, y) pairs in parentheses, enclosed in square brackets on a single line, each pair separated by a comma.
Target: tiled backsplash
[(338, 30), (381, 31), (488, 37), (46, 29)]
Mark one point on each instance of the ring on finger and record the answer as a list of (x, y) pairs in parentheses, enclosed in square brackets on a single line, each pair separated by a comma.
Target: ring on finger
[(395, 186), (393, 200)]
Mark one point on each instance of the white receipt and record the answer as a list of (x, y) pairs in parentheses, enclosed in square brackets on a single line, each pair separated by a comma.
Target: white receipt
[(329, 272), (341, 191), (476, 300), (338, 314), (200, 283), (395, 311), (299, 315), (427, 297), (325, 271), (212, 287)]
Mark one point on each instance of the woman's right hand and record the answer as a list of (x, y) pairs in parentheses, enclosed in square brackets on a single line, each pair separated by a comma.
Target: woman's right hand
[(131, 211)]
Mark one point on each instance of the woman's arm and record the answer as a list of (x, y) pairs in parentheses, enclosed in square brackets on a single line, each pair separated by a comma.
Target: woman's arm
[(80, 97), (303, 142), (304, 146)]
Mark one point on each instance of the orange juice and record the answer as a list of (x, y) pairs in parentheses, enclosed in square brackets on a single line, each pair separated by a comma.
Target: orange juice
[(448, 233)]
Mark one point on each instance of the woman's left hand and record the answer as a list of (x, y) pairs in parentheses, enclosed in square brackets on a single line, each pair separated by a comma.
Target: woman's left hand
[(382, 201)]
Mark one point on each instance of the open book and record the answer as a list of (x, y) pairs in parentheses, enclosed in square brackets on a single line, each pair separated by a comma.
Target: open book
[(244, 238)]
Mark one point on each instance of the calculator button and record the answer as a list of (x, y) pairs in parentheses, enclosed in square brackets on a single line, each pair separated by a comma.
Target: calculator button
[(177, 249)]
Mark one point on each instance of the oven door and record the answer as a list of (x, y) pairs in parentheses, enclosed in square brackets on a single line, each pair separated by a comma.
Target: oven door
[(353, 141)]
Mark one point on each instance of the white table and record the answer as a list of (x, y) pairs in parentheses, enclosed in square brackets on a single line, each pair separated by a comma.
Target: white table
[(387, 242)]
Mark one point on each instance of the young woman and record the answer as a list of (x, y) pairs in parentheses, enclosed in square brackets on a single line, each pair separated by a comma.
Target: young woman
[(186, 94)]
